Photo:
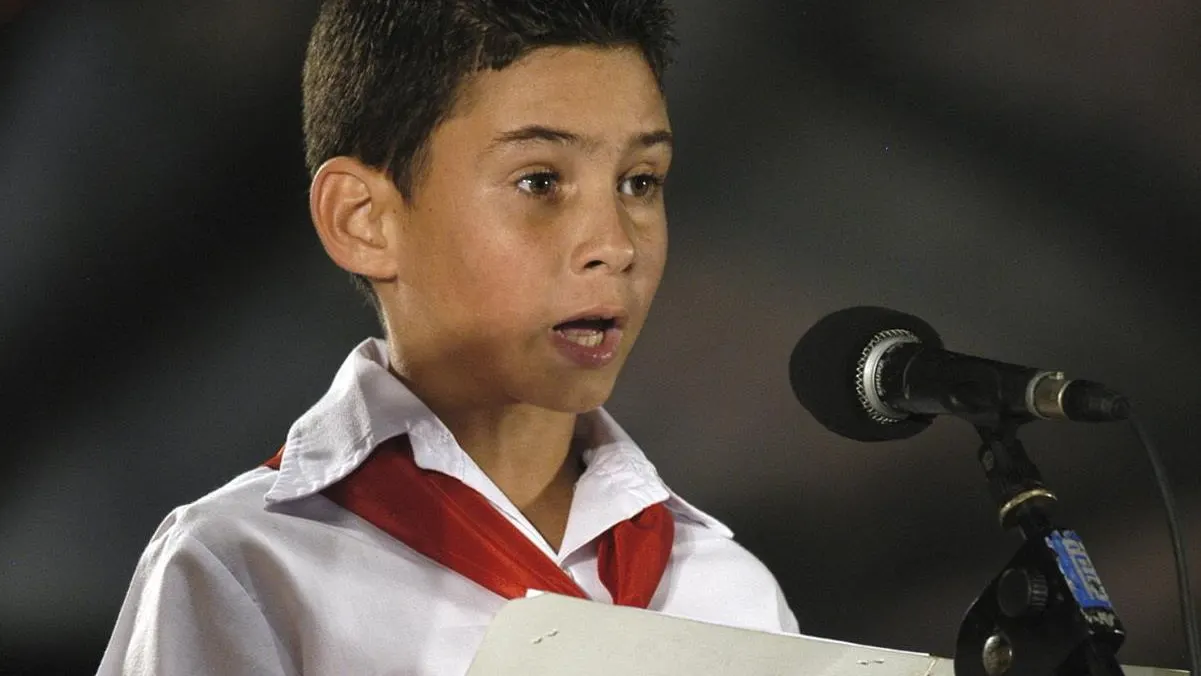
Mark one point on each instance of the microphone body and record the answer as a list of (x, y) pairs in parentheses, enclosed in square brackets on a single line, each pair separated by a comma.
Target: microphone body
[(874, 374), (911, 379)]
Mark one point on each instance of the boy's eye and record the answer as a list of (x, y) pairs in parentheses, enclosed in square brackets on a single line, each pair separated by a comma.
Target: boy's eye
[(540, 184), (642, 185)]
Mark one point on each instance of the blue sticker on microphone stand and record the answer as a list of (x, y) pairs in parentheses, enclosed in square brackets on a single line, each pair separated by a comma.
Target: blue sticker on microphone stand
[(1078, 570)]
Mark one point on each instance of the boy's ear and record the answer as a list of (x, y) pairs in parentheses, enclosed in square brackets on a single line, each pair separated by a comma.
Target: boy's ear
[(352, 206)]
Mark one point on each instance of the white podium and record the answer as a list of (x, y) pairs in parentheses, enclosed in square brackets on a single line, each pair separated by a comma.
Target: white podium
[(556, 635)]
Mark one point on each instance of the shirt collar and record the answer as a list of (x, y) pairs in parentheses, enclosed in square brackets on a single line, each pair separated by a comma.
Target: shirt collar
[(367, 405)]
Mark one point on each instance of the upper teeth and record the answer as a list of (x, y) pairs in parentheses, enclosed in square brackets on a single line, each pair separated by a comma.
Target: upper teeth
[(585, 337)]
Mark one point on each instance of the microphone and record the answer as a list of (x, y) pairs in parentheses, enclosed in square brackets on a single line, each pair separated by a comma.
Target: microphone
[(874, 374)]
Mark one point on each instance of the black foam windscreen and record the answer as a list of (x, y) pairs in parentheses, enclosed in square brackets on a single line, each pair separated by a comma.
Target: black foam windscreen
[(823, 371)]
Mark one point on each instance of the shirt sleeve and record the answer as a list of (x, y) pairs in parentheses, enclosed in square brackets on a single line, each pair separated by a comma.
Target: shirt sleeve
[(186, 613), (788, 622)]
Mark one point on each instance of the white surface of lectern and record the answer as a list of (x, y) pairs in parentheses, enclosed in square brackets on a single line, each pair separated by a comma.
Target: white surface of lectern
[(550, 634)]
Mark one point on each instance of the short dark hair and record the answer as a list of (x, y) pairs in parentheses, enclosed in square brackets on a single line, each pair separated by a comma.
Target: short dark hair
[(380, 75)]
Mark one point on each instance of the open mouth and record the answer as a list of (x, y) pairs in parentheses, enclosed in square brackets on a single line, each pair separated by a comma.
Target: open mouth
[(587, 331)]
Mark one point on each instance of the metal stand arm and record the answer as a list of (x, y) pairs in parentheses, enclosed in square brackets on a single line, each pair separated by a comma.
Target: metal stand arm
[(1047, 612)]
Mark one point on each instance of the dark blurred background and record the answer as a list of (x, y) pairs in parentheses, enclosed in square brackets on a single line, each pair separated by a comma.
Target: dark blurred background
[(1026, 176)]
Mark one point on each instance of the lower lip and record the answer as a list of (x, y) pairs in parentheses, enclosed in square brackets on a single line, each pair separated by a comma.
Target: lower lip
[(589, 357)]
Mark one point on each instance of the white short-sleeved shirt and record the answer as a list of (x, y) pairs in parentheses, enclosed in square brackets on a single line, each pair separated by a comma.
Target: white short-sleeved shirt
[(267, 576)]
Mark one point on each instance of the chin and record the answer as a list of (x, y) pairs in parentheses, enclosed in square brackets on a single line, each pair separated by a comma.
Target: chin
[(578, 397)]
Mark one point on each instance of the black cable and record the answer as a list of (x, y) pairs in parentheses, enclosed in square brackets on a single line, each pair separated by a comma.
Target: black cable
[(1187, 610)]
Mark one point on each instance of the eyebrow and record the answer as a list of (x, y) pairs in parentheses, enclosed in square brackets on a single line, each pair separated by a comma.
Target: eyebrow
[(539, 133)]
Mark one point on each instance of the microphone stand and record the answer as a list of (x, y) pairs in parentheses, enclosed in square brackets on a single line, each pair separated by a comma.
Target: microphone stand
[(1047, 611)]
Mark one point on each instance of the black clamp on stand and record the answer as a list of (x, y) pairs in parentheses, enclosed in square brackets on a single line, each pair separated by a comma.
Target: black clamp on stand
[(1047, 612)]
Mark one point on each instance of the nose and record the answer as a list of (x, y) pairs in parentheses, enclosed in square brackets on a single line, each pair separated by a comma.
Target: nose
[(608, 239)]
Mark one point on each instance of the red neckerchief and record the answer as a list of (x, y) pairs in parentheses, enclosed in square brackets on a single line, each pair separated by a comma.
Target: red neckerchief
[(441, 518)]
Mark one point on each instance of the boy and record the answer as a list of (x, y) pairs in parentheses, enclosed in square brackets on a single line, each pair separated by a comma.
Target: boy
[(492, 174)]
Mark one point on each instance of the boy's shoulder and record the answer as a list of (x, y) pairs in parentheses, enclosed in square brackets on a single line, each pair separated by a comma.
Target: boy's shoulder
[(238, 502), (233, 521)]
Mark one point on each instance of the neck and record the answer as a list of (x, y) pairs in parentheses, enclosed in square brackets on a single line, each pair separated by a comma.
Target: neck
[(528, 454), (525, 450)]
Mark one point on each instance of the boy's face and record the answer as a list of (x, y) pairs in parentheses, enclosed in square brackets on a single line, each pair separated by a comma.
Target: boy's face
[(536, 237)]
